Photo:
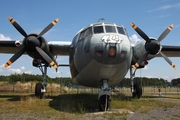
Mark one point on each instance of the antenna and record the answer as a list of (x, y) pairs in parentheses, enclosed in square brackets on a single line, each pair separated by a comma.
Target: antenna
[(101, 19)]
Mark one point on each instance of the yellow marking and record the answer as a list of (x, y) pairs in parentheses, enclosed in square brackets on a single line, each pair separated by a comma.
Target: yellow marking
[(137, 65), (55, 21), (134, 67), (170, 27), (173, 65), (52, 63), (133, 25), (6, 65), (9, 62), (11, 20), (55, 66)]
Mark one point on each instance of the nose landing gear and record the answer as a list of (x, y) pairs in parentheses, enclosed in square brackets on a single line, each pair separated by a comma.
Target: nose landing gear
[(104, 97)]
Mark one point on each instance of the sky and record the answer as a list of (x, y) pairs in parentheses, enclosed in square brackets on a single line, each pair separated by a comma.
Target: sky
[(152, 16)]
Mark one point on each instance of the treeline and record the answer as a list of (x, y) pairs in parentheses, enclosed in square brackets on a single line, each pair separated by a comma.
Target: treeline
[(158, 82), (23, 78), (126, 82)]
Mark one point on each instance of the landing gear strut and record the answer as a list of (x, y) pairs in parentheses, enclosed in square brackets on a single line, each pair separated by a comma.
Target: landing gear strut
[(40, 88), (136, 88), (104, 97)]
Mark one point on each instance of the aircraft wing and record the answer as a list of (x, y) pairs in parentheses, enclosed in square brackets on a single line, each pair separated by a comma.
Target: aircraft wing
[(170, 51), (8, 47), (56, 47)]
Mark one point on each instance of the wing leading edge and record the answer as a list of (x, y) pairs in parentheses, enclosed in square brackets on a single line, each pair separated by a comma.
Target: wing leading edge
[(170, 51), (56, 47)]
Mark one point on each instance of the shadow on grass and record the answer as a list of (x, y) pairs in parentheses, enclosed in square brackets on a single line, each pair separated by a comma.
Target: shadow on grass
[(153, 96), (15, 97), (75, 103), (80, 103)]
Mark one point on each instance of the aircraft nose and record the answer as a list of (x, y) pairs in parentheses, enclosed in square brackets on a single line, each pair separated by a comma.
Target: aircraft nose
[(106, 53), (110, 53)]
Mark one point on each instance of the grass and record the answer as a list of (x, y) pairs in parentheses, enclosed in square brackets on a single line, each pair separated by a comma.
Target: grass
[(70, 106)]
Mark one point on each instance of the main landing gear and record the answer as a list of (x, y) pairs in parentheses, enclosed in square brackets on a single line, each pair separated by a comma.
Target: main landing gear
[(104, 97), (136, 87), (40, 88)]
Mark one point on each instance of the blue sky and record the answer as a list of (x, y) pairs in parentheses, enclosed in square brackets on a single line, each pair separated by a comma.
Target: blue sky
[(152, 16)]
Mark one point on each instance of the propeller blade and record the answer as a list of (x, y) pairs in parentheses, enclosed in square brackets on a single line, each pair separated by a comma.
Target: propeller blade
[(15, 57), (48, 27), (46, 57), (140, 32), (168, 60), (136, 65), (164, 34), (17, 26)]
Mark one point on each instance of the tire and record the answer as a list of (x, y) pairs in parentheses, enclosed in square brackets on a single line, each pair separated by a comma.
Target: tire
[(38, 92), (104, 103), (137, 90)]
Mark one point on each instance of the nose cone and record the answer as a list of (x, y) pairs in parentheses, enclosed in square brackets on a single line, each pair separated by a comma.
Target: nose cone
[(110, 53)]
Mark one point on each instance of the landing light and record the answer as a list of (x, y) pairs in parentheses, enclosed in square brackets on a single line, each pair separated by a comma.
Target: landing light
[(17, 43), (112, 52)]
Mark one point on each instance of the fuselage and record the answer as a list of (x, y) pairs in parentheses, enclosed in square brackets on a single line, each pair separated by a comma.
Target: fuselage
[(100, 51)]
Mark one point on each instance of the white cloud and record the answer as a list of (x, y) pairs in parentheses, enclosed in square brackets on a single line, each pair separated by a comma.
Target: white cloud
[(165, 7), (134, 39), (28, 72), (22, 68), (2, 37), (17, 71), (145, 68)]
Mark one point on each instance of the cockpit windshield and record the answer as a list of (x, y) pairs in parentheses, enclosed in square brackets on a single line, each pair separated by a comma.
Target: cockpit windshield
[(120, 30), (102, 28), (98, 29), (110, 29)]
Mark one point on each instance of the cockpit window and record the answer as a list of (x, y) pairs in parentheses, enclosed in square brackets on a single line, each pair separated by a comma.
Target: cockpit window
[(85, 33), (110, 29), (98, 29), (82, 35), (121, 30), (89, 31)]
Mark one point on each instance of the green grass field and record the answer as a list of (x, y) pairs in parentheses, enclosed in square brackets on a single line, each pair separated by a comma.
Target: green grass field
[(71, 106), (18, 102)]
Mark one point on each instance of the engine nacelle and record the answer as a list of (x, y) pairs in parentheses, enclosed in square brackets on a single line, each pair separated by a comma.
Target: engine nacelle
[(139, 50)]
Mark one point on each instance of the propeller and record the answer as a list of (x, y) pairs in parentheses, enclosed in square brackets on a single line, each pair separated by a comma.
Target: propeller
[(31, 43), (152, 46)]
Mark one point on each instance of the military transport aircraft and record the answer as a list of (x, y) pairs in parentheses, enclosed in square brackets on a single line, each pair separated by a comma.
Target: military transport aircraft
[(100, 55)]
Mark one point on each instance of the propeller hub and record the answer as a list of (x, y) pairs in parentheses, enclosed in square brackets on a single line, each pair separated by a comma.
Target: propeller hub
[(32, 42), (153, 47)]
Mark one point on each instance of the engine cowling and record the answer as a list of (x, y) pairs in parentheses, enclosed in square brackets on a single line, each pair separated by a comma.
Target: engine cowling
[(141, 48)]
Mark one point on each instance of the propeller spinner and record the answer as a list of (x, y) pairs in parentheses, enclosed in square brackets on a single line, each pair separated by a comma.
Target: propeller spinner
[(31, 42), (152, 46)]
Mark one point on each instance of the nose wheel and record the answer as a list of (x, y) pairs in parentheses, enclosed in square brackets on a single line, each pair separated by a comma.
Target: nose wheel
[(104, 103), (104, 98)]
